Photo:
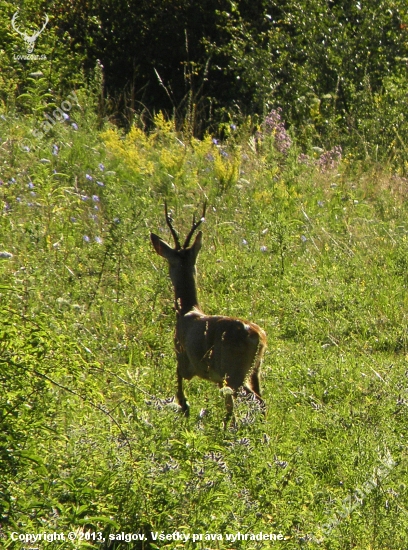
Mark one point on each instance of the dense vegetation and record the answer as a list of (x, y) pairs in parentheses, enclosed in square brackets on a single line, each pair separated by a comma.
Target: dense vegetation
[(306, 234), (337, 69)]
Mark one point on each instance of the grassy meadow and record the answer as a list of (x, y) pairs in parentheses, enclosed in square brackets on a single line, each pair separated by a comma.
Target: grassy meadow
[(312, 246)]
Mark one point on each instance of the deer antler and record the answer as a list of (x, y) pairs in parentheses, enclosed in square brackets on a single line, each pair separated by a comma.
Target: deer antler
[(43, 27), (169, 221), (195, 226), (30, 40), (13, 23)]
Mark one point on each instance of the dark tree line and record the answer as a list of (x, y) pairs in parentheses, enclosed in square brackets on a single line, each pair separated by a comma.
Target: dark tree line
[(336, 67)]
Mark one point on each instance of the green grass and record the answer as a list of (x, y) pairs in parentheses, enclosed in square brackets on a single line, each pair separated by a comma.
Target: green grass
[(91, 440)]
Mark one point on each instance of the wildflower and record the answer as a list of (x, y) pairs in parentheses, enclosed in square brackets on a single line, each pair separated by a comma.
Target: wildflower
[(74, 126), (329, 159), (244, 441), (100, 183), (30, 185), (73, 220), (320, 203), (66, 116), (55, 149), (86, 238), (281, 463), (98, 240), (274, 126), (303, 159), (84, 197), (95, 198), (116, 220), (215, 141), (12, 180), (233, 127), (45, 161), (303, 238), (101, 167), (26, 149), (88, 177), (263, 249)]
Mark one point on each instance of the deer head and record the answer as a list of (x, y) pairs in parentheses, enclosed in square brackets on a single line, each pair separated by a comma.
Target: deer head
[(222, 349), (181, 260), (30, 40)]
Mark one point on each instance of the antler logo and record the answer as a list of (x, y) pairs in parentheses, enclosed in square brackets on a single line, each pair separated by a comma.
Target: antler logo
[(29, 40)]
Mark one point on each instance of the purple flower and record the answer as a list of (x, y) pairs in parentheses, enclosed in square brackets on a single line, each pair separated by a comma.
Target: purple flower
[(88, 177), (329, 159), (100, 183), (274, 126), (84, 197), (66, 117), (233, 127), (263, 249), (75, 126), (86, 238), (215, 141), (98, 240), (95, 198), (30, 185), (101, 167), (55, 149)]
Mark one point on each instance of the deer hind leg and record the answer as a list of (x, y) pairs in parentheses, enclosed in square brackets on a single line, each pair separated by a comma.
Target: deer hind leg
[(252, 391), (254, 385)]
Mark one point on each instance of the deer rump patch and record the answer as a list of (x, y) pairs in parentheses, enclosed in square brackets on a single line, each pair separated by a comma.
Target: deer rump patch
[(216, 348)]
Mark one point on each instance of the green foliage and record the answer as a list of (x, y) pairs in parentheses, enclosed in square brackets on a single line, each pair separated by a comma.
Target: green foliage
[(336, 69), (313, 248)]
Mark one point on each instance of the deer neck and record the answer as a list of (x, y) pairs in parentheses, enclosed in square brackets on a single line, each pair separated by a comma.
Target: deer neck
[(185, 292)]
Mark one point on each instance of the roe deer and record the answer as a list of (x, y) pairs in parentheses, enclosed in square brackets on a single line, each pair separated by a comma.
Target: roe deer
[(225, 350)]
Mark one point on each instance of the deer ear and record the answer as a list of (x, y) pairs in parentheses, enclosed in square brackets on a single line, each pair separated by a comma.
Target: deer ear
[(161, 247), (196, 247)]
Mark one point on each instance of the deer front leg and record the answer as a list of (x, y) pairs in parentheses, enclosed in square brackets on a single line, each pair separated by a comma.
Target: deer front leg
[(229, 405), (181, 398)]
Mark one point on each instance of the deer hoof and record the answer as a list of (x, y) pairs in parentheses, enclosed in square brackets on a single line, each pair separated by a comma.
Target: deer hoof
[(185, 408)]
